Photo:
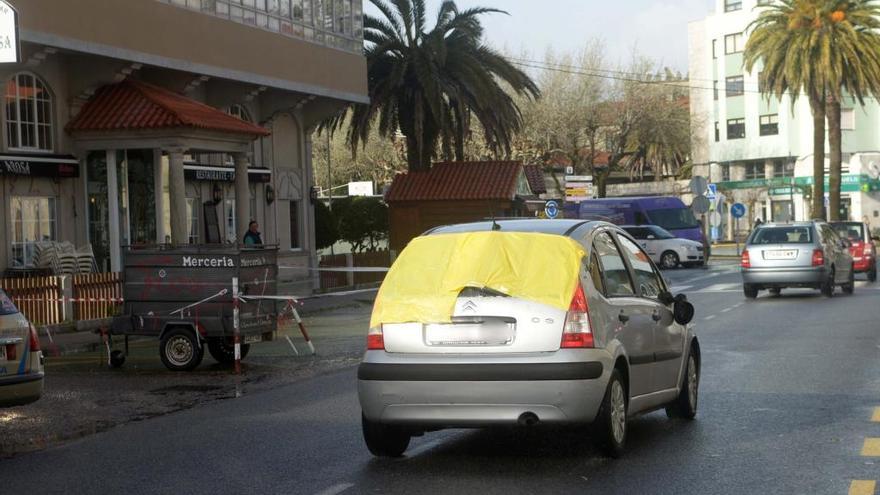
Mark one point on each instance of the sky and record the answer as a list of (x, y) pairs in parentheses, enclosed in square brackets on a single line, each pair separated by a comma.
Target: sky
[(655, 28)]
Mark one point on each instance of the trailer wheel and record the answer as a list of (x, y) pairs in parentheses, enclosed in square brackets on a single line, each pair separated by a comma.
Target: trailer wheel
[(180, 351), (224, 352), (117, 359)]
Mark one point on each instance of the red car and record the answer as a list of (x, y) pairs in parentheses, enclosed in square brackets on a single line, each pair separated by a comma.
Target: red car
[(863, 251)]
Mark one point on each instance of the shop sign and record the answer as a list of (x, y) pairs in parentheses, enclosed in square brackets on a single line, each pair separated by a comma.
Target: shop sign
[(9, 42), (223, 174), (578, 188), (57, 166)]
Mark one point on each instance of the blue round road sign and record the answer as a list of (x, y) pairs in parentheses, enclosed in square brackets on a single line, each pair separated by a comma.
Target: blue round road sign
[(551, 209), (738, 210)]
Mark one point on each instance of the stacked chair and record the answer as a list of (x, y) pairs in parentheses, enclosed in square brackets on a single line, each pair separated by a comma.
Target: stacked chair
[(62, 258)]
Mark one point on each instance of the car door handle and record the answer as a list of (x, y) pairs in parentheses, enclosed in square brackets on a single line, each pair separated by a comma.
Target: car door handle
[(656, 316), (623, 317)]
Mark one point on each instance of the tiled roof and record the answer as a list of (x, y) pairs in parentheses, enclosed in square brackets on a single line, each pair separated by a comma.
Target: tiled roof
[(457, 181), (535, 176), (134, 105)]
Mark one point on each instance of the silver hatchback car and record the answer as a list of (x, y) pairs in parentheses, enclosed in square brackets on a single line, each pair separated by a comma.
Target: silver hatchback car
[(803, 254), (621, 346)]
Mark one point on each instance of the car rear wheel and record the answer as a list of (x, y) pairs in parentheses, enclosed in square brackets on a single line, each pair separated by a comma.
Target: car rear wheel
[(775, 292), (850, 286), (828, 286), (750, 291), (180, 350), (610, 425), (872, 274), (669, 259), (225, 353), (384, 440), (685, 406)]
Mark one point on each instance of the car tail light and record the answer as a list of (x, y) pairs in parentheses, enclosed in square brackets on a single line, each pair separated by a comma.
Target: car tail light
[(34, 339), (746, 261), (818, 257), (375, 339), (576, 333), (11, 353)]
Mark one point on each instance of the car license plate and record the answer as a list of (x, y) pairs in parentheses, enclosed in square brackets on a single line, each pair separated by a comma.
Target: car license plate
[(253, 339), (788, 254), (470, 334)]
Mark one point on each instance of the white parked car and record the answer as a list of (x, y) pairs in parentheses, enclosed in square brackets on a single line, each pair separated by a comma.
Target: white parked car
[(664, 248)]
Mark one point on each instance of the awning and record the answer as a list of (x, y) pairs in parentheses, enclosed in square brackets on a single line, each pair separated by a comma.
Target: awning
[(41, 165), (195, 171)]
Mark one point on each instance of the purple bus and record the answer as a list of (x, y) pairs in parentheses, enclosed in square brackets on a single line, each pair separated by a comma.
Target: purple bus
[(667, 212)]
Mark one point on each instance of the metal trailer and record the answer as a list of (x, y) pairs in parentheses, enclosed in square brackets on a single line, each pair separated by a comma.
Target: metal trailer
[(184, 297)]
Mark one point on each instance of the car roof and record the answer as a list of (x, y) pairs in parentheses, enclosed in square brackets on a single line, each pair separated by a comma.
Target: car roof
[(557, 227), (786, 224)]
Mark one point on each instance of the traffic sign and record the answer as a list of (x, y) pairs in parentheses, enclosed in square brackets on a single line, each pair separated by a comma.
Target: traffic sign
[(713, 192), (714, 218), (699, 185), (738, 210), (701, 205), (551, 209)]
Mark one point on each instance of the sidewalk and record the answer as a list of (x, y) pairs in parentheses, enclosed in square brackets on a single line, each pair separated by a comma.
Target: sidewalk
[(725, 251)]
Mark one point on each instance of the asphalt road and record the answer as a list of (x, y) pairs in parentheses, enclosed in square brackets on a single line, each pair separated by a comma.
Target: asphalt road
[(788, 391)]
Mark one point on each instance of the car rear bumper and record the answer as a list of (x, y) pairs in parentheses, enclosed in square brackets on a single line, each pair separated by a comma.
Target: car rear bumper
[(18, 390), (439, 395), (864, 264), (785, 277)]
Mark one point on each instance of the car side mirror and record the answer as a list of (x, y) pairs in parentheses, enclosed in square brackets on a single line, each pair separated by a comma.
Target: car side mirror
[(666, 298), (682, 310)]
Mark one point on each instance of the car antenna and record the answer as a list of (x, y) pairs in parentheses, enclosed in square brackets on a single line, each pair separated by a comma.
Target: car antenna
[(495, 225)]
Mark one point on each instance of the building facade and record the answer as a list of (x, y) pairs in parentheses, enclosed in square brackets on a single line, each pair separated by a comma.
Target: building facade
[(138, 122), (758, 149)]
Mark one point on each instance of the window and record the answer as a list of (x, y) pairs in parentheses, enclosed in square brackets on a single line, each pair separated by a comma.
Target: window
[(7, 307), (646, 279), (596, 273), (755, 170), (28, 114), (783, 235), (714, 49), (33, 221), (736, 129), (294, 226), (732, 5), (782, 169), (192, 211), (615, 277), (639, 233), (769, 125), (734, 86), (725, 173), (715, 90), (240, 112), (733, 43), (762, 84), (717, 131), (848, 119), (229, 214), (674, 218)]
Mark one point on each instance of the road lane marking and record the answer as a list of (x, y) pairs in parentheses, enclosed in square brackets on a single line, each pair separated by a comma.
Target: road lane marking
[(680, 288), (876, 416), (726, 310), (862, 487), (710, 317), (871, 448), (336, 489)]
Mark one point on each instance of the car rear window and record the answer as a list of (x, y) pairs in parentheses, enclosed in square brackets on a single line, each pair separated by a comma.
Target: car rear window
[(783, 235), (851, 231), (7, 307)]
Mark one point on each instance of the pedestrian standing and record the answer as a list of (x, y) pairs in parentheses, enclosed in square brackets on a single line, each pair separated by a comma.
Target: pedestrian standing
[(252, 236)]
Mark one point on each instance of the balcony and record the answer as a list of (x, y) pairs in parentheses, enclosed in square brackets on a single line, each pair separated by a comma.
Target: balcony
[(332, 23)]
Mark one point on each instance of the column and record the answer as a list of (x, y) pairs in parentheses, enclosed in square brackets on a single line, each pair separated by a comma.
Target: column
[(113, 209), (242, 196), (159, 181), (177, 190)]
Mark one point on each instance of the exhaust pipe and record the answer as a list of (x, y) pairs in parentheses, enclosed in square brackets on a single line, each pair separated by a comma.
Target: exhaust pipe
[(527, 419)]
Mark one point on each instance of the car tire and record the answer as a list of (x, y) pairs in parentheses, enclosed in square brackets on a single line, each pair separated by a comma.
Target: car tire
[(775, 292), (225, 353), (384, 440), (180, 350), (685, 405), (828, 286), (872, 274), (850, 286), (610, 425), (669, 259), (750, 291)]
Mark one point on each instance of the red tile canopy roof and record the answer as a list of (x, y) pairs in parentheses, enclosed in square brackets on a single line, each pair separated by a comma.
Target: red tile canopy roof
[(536, 179), (458, 181), (134, 105)]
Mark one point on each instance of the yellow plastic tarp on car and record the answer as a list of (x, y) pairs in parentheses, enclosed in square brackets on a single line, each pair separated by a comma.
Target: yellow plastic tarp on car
[(429, 274)]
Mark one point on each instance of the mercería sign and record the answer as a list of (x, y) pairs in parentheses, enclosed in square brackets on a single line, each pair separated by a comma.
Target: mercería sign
[(9, 43), (208, 262), (222, 174), (54, 166)]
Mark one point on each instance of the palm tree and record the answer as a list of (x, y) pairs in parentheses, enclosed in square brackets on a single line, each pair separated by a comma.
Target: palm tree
[(429, 85), (820, 48)]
